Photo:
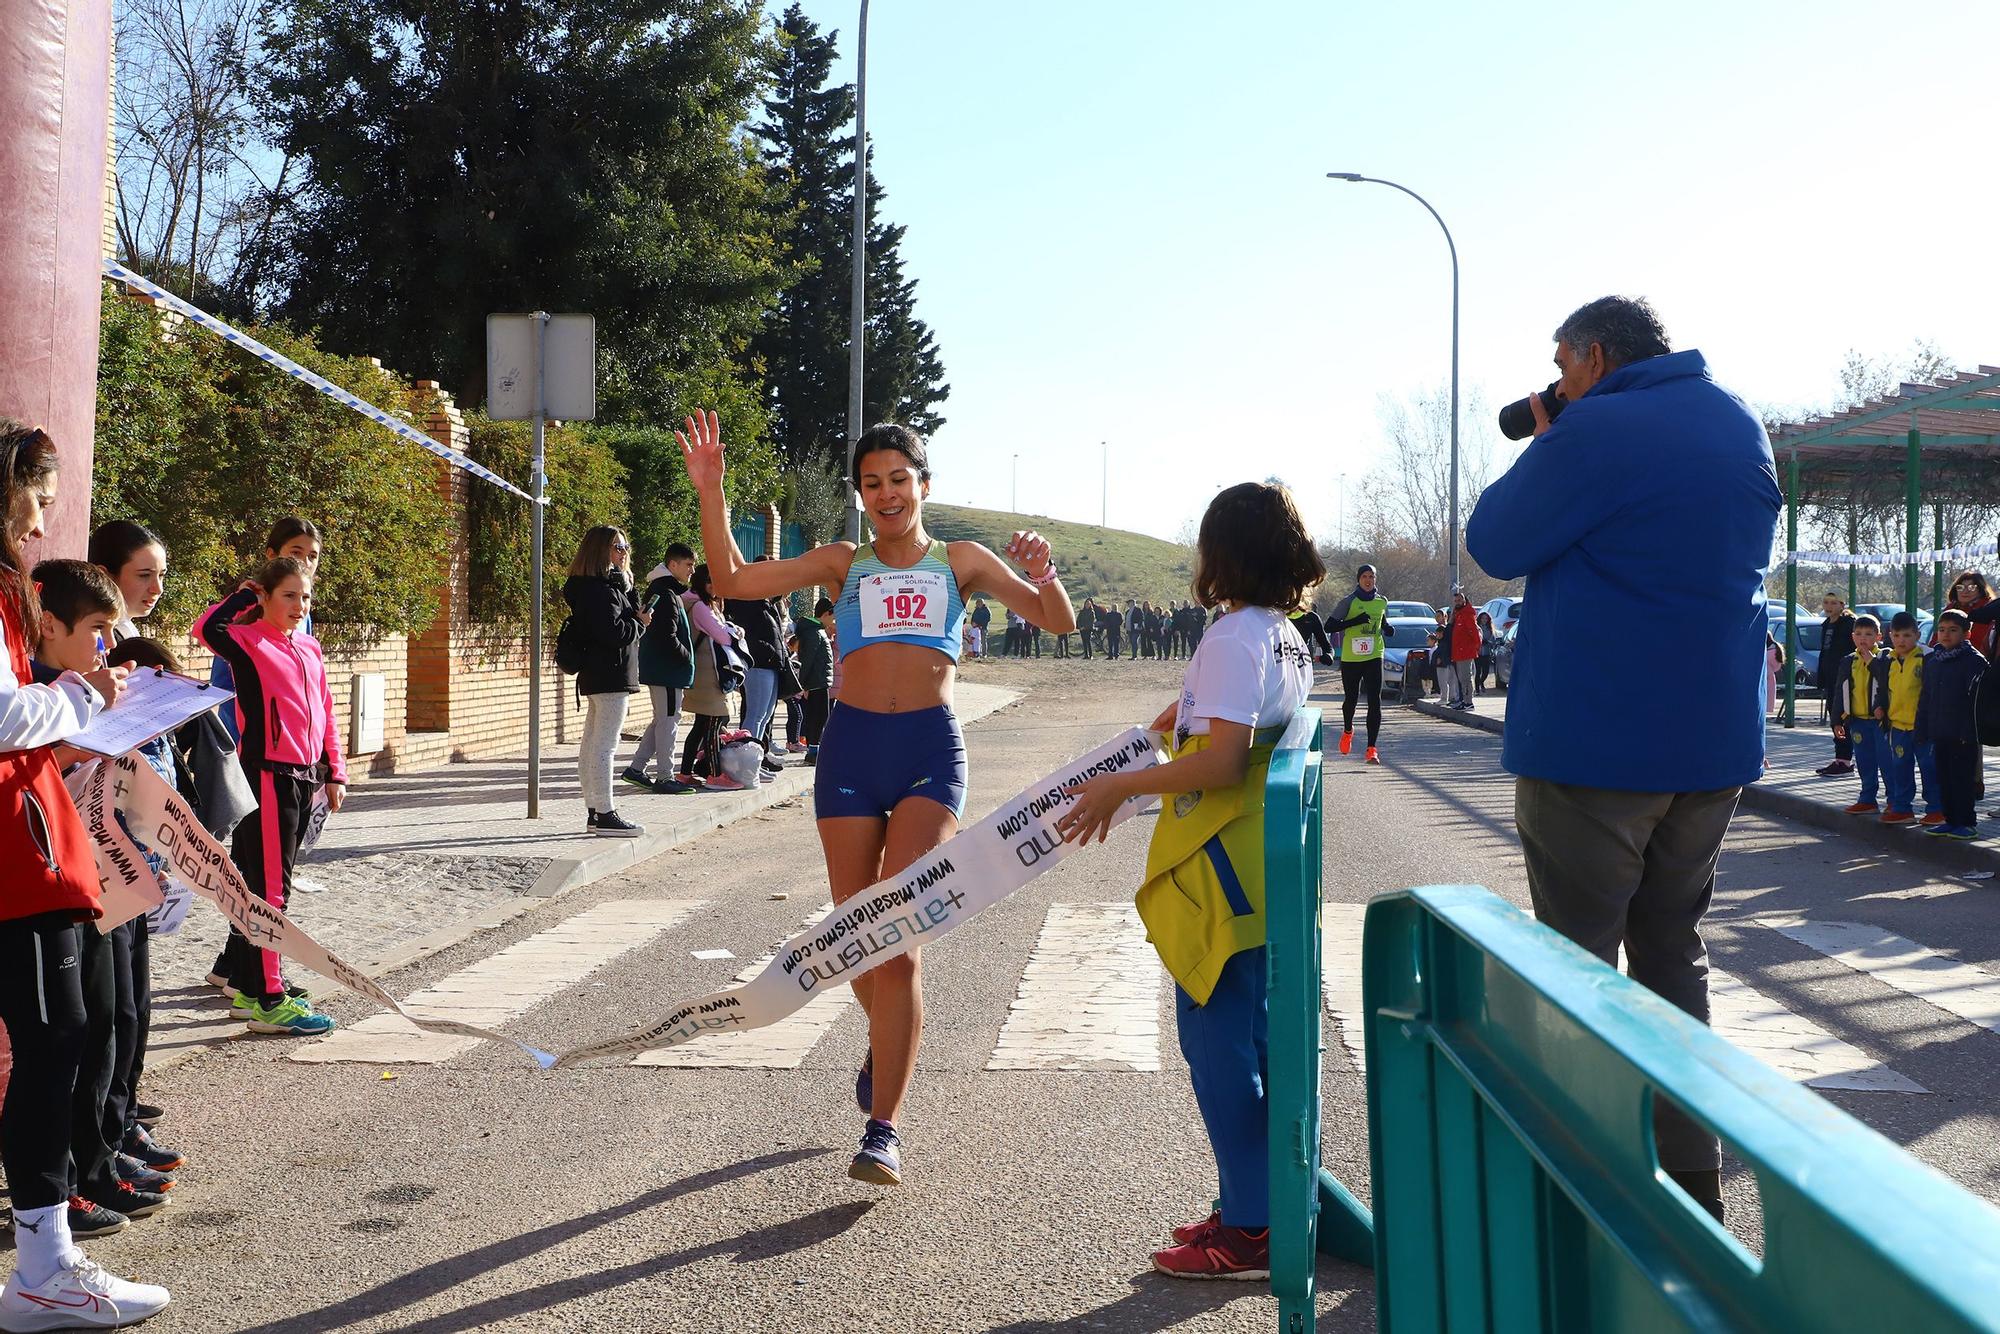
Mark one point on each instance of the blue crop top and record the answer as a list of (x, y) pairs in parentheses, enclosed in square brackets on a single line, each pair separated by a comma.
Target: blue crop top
[(881, 604)]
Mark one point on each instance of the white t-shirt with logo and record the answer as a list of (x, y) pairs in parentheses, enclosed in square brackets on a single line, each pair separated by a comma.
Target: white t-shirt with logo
[(1252, 668)]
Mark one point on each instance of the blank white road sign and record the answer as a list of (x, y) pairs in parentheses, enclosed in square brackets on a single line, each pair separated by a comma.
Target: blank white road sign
[(570, 394)]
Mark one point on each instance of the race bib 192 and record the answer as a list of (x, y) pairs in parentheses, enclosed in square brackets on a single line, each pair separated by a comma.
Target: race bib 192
[(1361, 645), (903, 602)]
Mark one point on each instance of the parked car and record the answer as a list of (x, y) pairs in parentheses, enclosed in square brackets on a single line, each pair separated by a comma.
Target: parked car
[(1412, 635), (1403, 610), (1503, 655), (1804, 653), (1882, 611), (1503, 612)]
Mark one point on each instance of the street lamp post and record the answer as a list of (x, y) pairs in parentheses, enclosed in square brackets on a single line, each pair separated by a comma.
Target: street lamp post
[(858, 291), (1376, 180)]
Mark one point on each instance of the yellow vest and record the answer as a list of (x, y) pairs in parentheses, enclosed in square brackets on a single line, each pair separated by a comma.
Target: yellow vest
[(1906, 683), (1203, 897), (1860, 677)]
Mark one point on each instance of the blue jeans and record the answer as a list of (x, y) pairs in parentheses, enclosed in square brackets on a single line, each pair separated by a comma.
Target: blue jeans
[(760, 700), (1225, 1043), (1869, 753), (1899, 773)]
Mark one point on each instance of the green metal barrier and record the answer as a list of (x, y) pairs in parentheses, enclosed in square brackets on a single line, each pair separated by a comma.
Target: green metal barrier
[(1510, 1098), (1310, 1210)]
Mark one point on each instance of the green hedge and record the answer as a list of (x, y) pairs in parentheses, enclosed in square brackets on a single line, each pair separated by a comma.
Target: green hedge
[(206, 445)]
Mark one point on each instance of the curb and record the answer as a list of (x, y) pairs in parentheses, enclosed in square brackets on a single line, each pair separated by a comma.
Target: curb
[(1804, 810)]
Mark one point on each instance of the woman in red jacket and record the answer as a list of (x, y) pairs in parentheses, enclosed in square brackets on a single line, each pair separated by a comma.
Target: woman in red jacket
[(290, 744), (1463, 627), (48, 892)]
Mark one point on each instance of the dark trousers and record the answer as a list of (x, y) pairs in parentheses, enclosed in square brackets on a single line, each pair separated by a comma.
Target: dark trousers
[(1843, 748), (1958, 779), (1086, 634), (92, 1138), (265, 849), (1358, 679), (816, 706), (1111, 644), (698, 758), (41, 1002), (1607, 868)]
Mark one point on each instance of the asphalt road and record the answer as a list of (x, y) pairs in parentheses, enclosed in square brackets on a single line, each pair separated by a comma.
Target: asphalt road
[(481, 1193)]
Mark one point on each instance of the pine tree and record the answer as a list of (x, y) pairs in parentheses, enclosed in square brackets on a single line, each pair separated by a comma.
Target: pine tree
[(808, 149), (461, 157)]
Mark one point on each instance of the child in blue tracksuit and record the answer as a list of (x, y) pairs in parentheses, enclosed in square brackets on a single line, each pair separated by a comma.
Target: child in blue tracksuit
[(1946, 724), (1203, 898)]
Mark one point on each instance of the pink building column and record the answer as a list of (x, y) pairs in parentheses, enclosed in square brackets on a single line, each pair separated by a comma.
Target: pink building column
[(55, 71)]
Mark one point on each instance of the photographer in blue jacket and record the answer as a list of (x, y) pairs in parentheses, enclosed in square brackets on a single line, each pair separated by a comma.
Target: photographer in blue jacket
[(1648, 497)]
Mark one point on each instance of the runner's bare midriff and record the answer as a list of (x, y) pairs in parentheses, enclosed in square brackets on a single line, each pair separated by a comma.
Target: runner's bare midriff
[(896, 678)]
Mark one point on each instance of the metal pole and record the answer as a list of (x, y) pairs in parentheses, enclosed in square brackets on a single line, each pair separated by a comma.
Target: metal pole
[(1853, 549), (1453, 247), (858, 290), (1791, 588), (537, 484), (1937, 570), (1913, 507)]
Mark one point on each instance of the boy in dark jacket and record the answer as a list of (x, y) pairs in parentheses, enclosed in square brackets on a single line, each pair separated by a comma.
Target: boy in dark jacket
[(1849, 689), (1945, 722), (815, 671), (1836, 641)]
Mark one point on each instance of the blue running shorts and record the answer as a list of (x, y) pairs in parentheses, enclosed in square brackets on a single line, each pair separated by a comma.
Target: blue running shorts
[(868, 762)]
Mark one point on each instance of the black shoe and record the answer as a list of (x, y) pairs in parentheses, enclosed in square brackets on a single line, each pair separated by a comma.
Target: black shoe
[(135, 1203), (138, 1144), (132, 1172), (673, 787), (146, 1114), (88, 1219), (774, 766), (1836, 768), (613, 825), (636, 779)]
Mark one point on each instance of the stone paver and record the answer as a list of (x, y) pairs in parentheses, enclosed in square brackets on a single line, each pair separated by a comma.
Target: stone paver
[(1089, 997)]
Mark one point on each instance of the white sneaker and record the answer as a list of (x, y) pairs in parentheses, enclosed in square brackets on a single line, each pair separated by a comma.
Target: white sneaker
[(82, 1296)]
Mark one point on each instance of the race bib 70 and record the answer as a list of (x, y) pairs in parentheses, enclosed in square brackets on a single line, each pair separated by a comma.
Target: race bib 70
[(1362, 644)]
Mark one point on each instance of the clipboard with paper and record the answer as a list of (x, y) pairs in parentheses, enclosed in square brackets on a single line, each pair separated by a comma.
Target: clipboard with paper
[(154, 701)]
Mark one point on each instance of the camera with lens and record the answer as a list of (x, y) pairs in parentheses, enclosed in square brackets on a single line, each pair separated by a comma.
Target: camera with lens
[(1517, 419)]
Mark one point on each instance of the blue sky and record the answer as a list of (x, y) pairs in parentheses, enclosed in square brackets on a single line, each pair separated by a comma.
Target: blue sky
[(1119, 216)]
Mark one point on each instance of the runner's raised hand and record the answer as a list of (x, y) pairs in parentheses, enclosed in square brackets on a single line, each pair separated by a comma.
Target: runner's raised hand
[(701, 449), (1031, 552)]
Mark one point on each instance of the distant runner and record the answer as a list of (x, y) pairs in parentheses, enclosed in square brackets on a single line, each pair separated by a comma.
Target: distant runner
[(1358, 620)]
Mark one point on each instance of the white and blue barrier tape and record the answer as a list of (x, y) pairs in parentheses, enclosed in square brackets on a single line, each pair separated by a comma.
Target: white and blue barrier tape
[(1888, 560), (230, 334)]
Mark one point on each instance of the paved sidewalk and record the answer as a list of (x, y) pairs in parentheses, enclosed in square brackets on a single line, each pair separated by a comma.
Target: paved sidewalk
[(1792, 790), (417, 862)]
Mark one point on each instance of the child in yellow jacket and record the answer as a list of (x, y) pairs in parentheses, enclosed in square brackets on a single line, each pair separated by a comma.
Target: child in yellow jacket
[(1203, 899)]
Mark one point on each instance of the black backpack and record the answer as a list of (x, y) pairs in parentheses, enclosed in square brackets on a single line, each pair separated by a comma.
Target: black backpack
[(569, 648)]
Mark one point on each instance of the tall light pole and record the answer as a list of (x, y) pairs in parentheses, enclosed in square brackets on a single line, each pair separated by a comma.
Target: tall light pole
[(858, 291), (1376, 180)]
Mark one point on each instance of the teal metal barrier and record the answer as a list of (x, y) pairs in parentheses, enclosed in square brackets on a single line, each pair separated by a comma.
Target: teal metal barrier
[(1510, 1100), (1310, 1210)]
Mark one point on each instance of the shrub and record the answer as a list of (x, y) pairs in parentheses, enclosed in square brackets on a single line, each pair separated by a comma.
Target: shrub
[(207, 445), (585, 488)]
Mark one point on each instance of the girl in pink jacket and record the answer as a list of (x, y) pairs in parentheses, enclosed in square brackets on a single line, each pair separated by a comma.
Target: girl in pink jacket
[(290, 746)]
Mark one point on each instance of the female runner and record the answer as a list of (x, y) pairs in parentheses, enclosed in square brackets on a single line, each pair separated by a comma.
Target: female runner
[(891, 783)]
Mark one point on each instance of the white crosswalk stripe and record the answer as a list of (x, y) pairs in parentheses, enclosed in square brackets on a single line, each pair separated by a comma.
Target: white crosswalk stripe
[(1791, 1044), (1089, 997), (1973, 994), (780, 1046), (505, 985)]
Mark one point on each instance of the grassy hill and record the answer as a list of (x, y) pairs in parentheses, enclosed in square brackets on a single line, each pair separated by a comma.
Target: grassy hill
[(1095, 562)]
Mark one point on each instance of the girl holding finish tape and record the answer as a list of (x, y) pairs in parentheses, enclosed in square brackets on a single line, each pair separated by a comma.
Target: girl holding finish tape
[(1203, 897), (891, 783)]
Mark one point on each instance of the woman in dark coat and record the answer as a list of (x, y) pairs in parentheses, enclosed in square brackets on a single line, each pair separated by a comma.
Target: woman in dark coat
[(604, 626)]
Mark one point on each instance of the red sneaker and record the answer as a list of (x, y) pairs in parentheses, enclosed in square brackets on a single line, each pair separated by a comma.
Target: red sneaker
[(1935, 817), (1897, 817), (1219, 1253), (1863, 808), (1187, 1233), (1373, 758), (1347, 743)]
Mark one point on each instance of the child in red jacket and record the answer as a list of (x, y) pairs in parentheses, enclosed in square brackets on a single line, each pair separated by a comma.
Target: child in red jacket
[(290, 744)]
